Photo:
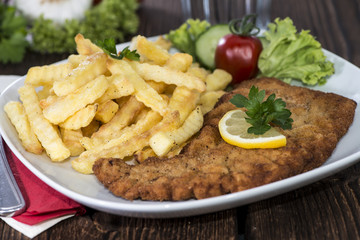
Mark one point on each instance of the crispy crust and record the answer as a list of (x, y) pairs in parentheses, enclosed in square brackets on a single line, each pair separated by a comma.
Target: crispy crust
[(208, 166)]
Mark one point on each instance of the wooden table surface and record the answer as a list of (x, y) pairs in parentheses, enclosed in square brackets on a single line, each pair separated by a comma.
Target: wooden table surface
[(328, 209)]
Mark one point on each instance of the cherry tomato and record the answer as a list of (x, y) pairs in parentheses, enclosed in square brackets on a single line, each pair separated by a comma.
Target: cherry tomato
[(238, 53), (238, 56)]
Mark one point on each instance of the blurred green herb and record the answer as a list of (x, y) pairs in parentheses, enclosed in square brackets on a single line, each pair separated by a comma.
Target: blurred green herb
[(109, 19), (12, 35), (109, 47), (263, 113)]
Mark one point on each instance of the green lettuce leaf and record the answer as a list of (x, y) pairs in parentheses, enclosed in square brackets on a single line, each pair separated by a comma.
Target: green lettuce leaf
[(289, 55), (185, 36)]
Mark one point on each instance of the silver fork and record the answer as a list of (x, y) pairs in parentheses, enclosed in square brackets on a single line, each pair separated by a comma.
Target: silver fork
[(11, 200)]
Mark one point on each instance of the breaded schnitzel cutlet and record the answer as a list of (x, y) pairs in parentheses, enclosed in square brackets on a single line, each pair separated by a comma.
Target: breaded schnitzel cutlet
[(208, 166)]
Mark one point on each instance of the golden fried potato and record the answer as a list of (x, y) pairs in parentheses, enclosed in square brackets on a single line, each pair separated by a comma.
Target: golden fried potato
[(106, 111), (197, 71), (94, 66), (183, 95), (85, 161), (44, 103), (46, 75), (43, 129), (150, 51), (119, 86), (90, 129), (218, 80), (179, 61), (66, 106), (81, 118), (45, 92), (94, 106), (163, 141), (16, 113), (143, 154), (124, 117), (143, 91), (209, 99), (75, 60), (71, 139), (168, 76), (85, 46), (163, 43)]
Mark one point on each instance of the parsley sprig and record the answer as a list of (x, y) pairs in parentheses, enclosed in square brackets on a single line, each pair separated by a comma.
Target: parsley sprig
[(109, 47), (261, 114)]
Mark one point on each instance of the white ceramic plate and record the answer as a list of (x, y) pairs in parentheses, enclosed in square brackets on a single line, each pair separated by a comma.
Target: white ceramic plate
[(87, 190)]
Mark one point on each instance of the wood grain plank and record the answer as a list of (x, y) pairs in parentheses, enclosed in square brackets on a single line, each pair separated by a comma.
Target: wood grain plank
[(329, 209), (99, 225)]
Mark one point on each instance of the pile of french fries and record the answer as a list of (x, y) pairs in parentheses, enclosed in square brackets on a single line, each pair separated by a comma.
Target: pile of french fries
[(94, 106)]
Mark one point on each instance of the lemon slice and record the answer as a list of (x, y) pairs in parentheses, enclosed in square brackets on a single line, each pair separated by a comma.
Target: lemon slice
[(233, 129)]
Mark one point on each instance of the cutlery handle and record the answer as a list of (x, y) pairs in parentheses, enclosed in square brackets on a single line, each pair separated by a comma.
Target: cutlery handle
[(11, 201)]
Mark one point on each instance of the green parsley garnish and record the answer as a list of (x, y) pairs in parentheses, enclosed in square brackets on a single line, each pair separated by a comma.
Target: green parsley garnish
[(12, 35), (261, 114), (109, 47)]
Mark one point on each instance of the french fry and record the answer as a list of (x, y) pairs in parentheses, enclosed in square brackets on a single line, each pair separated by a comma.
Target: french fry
[(106, 111), (86, 143), (123, 100), (158, 86), (85, 161), (143, 91), (75, 60), (168, 76), (163, 43), (143, 154), (81, 118), (90, 129), (218, 80), (45, 92), (209, 99), (94, 66), (94, 106), (122, 118), (85, 46), (179, 61), (183, 95), (147, 119), (141, 115), (163, 141), (43, 129), (16, 113), (71, 139), (46, 75), (119, 87), (150, 50), (175, 150), (67, 105), (197, 71), (44, 103)]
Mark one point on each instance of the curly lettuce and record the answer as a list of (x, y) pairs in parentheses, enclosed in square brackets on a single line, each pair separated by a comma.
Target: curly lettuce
[(289, 55), (109, 19), (185, 36)]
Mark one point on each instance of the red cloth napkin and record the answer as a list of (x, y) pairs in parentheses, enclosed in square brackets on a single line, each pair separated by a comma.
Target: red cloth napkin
[(42, 202)]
